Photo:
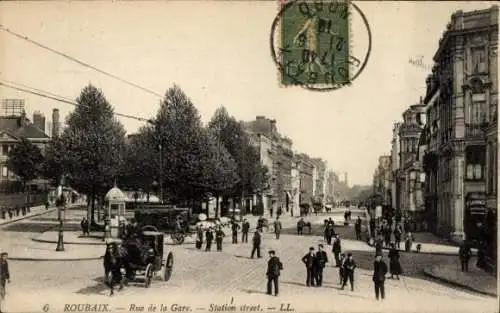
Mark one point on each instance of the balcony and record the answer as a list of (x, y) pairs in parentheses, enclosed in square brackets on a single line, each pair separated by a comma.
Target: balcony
[(473, 131)]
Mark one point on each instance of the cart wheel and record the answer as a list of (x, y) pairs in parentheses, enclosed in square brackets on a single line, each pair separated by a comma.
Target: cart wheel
[(148, 275), (169, 266)]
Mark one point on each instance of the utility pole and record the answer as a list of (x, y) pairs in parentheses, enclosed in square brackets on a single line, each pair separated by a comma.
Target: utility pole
[(60, 202)]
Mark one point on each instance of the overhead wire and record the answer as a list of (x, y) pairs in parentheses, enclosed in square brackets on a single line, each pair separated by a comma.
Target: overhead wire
[(52, 96), (87, 65)]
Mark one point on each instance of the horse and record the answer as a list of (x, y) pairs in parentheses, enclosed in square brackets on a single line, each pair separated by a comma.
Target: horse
[(112, 267)]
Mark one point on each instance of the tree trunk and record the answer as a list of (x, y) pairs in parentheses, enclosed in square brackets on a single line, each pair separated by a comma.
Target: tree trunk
[(89, 214), (216, 206), (92, 209)]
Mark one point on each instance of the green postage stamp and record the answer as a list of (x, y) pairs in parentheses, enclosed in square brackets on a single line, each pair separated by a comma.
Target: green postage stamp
[(314, 44)]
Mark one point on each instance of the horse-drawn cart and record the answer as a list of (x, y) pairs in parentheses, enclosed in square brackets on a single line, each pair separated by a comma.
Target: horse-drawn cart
[(143, 256)]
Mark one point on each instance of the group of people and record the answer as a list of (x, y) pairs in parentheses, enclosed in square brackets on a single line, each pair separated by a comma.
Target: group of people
[(11, 212)]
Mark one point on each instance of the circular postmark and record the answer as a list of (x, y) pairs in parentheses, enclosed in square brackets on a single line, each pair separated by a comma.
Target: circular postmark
[(311, 43)]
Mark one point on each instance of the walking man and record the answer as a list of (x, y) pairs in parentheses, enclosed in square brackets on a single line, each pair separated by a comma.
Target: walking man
[(234, 228), (219, 235), (337, 249), (309, 260), (244, 231), (357, 228), (321, 260), (300, 226), (4, 276), (341, 268), (274, 267), (349, 266), (379, 271), (277, 227), (398, 232), (464, 255), (209, 236), (199, 237), (256, 244)]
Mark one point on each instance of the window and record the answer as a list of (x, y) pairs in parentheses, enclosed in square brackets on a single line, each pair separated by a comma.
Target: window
[(475, 157), (5, 171), (5, 149), (478, 60)]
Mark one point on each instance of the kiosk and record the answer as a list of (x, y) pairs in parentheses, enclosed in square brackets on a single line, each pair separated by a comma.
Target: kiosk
[(116, 200)]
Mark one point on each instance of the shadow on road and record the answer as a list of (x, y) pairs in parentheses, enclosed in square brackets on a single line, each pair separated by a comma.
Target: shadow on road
[(253, 291), (33, 227)]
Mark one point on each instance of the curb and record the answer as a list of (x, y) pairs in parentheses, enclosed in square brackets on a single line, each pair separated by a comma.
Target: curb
[(6, 222), (457, 284), (70, 243), (54, 260)]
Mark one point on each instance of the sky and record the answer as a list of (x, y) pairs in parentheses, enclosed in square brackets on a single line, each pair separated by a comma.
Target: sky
[(218, 52)]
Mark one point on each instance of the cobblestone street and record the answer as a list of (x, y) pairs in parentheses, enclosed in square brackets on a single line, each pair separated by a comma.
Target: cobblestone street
[(210, 275)]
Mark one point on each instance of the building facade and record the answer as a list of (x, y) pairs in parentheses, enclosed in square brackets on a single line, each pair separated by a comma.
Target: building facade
[(461, 104), (306, 169), (395, 150)]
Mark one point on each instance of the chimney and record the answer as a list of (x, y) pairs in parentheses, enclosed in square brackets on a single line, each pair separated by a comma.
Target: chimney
[(39, 120), (55, 123)]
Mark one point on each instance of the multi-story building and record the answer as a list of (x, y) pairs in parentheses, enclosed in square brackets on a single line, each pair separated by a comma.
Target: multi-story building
[(319, 178), (306, 169), (461, 103), (294, 205), (14, 126), (395, 183), (410, 168), (382, 179), (330, 187)]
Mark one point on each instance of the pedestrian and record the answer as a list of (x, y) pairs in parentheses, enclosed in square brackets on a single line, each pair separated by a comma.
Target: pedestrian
[(464, 255), (300, 226), (274, 267), (341, 268), (112, 267), (378, 246), (379, 271), (409, 242), (271, 212), (357, 228), (328, 233), (349, 266), (199, 237), (244, 231), (219, 235), (309, 260), (256, 244), (85, 226), (394, 264), (337, 249), (234, 229), (280, 211), (260, 223), (387, 235), (4, 276), (321, 259), (277, 227), (209, 236), (398, 232)]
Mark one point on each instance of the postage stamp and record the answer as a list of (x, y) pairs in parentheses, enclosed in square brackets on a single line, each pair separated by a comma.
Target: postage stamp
[(311, 44)]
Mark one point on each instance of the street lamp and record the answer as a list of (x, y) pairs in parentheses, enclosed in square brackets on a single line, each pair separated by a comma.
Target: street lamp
[(161, 172), (60, 203)]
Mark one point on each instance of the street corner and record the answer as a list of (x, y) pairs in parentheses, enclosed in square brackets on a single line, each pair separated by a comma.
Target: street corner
[(70, 237), (474, 280), (47, 252)]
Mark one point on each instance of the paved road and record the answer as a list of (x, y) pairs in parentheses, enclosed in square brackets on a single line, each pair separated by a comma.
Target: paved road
[(215, 277)]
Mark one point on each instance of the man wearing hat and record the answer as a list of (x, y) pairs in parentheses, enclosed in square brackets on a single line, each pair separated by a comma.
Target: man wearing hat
[(379, 272), (209, 236), (274, 267), (4, 276), (309, 260), (348, 269), (219, 235), (256, 244), (321, 260)]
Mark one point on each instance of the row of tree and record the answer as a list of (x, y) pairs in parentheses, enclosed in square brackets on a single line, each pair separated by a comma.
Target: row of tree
[(192, 160)]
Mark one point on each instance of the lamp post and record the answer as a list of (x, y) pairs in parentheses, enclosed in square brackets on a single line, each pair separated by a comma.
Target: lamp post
[(161, 173), (60, 202)]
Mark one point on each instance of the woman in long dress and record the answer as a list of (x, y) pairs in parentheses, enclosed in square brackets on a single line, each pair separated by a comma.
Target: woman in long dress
[(394, 264)]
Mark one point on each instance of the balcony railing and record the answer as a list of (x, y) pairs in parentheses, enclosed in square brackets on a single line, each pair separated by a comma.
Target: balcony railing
[(473, 130)]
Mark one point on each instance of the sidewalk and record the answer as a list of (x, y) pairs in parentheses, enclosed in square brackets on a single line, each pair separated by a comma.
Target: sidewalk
[(47, 252), (476, 279), (38, 210)]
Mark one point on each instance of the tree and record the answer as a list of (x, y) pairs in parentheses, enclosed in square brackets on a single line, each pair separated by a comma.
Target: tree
[(233, 136), (55, 161), (25, 160), (93, 145)]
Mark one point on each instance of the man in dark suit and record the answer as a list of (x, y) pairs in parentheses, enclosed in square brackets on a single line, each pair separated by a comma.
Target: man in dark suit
[(256, 244), (357, 228), (379, 271), (464, 255), (274, 267), (4, 275), (348, 270), (337, 249), (244, 231), (209, 236), (309, 260), (234, 229), (321, 260)]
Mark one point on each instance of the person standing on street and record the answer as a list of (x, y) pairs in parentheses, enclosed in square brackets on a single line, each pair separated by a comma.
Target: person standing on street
[(271, 211), (4, 276), (274, 267), (379, 271), (398, 232), (244, 231), (321, 260), (348, 268), (85, 226), (337, 249), (209, 236), (309, 260), (379, 243), (277, 227), (341, 268), (464, 256), (199, 237), (219, 235), (234, 229), (256, 244), (300, 226), (357, 228), (394, 264)]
